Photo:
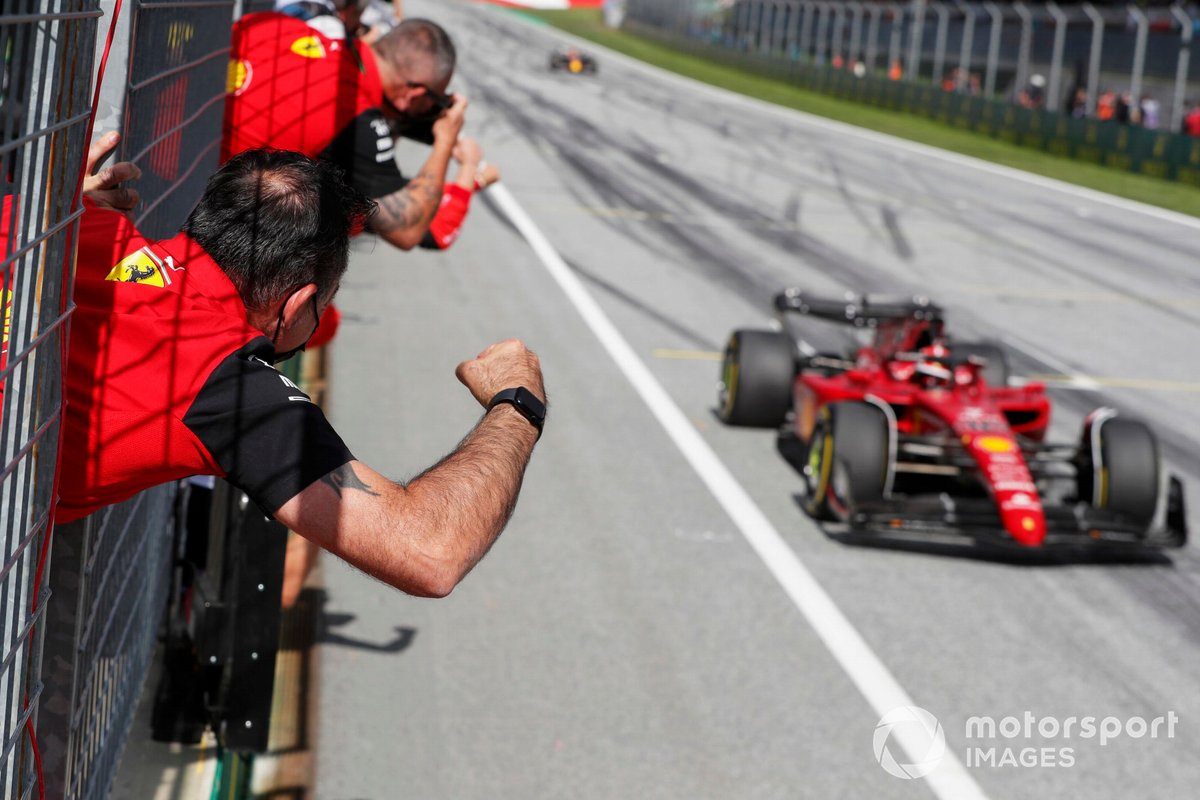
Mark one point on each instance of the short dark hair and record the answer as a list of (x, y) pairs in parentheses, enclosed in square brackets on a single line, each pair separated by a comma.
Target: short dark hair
[(414, 40), (275, 220)]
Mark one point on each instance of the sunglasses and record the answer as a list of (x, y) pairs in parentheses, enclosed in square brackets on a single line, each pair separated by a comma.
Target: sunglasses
[(440, 101)]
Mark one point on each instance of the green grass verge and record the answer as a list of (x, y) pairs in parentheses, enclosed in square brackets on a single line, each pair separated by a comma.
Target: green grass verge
[(587, 24)]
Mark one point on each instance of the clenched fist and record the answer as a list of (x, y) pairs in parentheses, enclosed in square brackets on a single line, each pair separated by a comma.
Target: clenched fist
[(503, 365)]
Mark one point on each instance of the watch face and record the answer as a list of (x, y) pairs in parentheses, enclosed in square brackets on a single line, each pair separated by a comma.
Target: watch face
[(528, 402)]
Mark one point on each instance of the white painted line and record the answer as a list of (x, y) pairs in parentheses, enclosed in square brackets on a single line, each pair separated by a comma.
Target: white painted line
[(892, 142), (950, 780)]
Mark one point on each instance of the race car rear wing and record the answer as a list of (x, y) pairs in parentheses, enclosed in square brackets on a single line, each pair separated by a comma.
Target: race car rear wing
[(861, 311)]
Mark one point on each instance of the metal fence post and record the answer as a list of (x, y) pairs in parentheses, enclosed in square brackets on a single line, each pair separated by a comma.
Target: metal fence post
[(897, 34), (916, 35), (791, 45), (1053, 93), (1139, 52), (965, 53), (822, 32), (873, 14), (939, 48), (993, 56), (839, 32), (806, 31), (1187, 29), (1021, 79), (1093, 86), (779, 27), (856, 12), (766, 21), (756, 13)]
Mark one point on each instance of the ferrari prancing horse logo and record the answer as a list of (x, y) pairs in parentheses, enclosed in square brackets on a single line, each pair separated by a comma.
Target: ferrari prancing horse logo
[(309, 47), (143, 267)]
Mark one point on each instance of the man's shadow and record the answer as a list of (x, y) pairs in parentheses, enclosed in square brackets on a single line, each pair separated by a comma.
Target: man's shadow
[(327, 621)]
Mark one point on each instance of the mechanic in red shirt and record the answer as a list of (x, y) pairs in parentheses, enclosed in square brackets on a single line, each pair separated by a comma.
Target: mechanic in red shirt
[(295, 84), (170, 374)]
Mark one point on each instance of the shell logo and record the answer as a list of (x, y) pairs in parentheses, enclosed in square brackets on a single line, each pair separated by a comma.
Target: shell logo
[(138, 267), (995, 444), (308, 47), (6, 298), (238, 76)]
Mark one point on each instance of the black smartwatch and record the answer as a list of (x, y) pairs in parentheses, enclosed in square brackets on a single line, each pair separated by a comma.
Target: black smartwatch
[(524, 401)]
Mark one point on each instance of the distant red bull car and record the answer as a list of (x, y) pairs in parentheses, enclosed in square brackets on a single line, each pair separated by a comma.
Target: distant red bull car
[(572, 61), (916, 435)]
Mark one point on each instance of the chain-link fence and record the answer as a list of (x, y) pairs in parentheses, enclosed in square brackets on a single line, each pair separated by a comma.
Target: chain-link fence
[(45, 62), (111, 573), (105, 583)]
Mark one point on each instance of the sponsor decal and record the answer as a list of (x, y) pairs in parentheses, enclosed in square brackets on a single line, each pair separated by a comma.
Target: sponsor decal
[(308, 47), (995, 444), (6, 298), (238, 77)]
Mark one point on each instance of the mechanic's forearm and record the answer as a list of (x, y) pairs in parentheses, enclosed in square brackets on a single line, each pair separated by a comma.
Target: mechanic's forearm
[(403, 216), (466, 499), (422, 538)]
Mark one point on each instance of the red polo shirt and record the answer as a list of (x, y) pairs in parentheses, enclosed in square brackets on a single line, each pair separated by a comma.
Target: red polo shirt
[(166, 378)]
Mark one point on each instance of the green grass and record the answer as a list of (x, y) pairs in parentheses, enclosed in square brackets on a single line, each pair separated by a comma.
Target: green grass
[(587, 24)]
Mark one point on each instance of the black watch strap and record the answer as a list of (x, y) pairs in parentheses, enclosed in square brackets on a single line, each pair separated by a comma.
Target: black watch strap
[(524, 401)]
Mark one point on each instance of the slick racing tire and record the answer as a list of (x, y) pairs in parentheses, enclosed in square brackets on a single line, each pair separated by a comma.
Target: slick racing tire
[(757, 374), (995, 371), (1120, 470), (849, 457)]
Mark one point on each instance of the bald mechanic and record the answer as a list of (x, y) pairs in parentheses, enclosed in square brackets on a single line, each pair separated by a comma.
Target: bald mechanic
[(298, 84), (170, 374)]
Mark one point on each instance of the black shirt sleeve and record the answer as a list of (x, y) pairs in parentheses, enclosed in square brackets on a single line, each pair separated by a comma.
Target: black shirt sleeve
[(268, 436), (366, 150)]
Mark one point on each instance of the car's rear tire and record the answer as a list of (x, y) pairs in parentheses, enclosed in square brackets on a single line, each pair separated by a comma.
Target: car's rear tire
[(849, 457), (1120, 469), (996, 371), (757, 374)]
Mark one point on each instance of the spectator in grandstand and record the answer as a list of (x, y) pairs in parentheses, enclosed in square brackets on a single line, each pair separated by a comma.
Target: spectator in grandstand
[(1077, 104), (1033, 94), (1149, 110), (1191, 119), (169, 375), (301, 84)]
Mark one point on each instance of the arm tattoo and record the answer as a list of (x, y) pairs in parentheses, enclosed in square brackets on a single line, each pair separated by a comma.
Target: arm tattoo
[(344, 477), (412, 206)]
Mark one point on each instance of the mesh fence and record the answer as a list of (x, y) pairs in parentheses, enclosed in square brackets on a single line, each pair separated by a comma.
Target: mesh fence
[(46, 49), (112, 572)]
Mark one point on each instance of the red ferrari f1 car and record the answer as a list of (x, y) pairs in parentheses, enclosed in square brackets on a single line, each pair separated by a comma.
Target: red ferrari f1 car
[(917, 434)]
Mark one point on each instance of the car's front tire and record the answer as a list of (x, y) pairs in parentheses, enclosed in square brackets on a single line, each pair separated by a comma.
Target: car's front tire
[(757, 374), (1120, 467), (849, 457)]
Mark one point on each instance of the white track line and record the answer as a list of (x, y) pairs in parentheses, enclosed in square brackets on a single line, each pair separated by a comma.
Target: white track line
[(878, 686), (895, 143)]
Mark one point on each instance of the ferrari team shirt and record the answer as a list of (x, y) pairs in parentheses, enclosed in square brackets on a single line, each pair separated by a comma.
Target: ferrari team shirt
[(293, 87), (166, 379)]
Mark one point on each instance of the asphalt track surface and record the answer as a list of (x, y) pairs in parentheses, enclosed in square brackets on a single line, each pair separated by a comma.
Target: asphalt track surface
[(623, 639)]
